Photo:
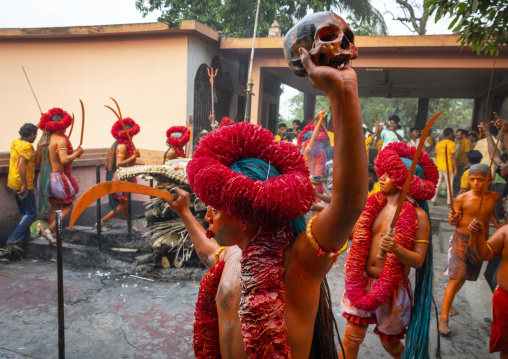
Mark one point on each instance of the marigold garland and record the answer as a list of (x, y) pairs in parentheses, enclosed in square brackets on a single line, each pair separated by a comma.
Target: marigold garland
[(46, 122), (393, 269), (389, 161), (321, 137), (178, 142)]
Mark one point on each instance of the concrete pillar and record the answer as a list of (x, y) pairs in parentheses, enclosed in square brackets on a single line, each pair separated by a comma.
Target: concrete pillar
[(309, 106)]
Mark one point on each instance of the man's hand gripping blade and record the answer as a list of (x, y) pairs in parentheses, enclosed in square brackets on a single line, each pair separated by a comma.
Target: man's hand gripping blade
[(106, 188)]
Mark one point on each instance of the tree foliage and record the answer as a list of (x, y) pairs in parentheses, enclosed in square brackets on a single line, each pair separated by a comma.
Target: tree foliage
[(456, 112), (481, 24), (236, 17), (410, 19)]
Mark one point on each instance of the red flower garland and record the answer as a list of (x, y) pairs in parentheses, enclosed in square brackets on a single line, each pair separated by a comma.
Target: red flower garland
[(46, 123), (206, 327), (321, 136), (253, 201), (389, 162), (226, 121), (178, 142), (393, 269), (263, 296)]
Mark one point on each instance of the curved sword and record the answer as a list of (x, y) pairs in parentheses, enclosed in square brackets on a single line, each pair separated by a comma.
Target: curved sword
[(106, 188)]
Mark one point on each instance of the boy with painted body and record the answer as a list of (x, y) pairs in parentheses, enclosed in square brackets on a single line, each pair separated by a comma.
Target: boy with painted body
[(463, 261)]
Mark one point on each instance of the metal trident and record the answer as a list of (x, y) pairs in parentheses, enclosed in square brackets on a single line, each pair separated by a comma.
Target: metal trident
[(211, 74)]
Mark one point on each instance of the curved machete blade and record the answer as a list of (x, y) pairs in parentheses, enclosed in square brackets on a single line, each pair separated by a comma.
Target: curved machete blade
[(106, 188)]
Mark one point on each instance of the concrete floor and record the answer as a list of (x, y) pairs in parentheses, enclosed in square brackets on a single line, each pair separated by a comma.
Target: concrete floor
[(114, 315)]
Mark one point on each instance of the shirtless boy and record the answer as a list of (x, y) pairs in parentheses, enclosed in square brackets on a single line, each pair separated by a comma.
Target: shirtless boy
[(377, 291), (55, 156), (497, 245), (262, 294), (463, 262)]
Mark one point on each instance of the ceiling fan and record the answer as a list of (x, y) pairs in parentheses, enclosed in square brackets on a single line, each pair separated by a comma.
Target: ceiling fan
[(391, 92)]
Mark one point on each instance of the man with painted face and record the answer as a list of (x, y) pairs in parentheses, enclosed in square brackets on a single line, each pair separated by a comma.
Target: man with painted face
[(378, 291), (265, 295), (463, 261)]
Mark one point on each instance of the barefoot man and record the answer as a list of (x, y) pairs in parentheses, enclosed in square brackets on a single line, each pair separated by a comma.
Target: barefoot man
[(497, 245), (55, 155), (378, 291), (463, 262), (121, 154), (265, 293)]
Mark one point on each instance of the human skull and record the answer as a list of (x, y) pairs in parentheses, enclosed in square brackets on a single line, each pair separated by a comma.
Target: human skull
[(326, 36)]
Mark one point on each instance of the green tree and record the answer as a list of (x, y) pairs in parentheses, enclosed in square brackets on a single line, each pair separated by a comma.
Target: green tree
[(236, 17), (481, 24)]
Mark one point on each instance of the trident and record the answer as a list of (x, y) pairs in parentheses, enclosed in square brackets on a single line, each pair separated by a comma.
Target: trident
[(211, 74)]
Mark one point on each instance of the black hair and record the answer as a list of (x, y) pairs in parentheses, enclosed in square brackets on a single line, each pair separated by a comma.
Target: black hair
[(27, 129), (394, 118), (464, 132), (474, 134), (447, 132), (282, 125), (412, 129), (474, 157), (297, 122)]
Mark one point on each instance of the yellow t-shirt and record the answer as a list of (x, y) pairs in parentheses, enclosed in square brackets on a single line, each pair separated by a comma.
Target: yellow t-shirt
[(440, 154), (461, 155), (277, 138), (368, 141), (430, 140), (375, 188), (330, 136), (379, 145), (464, 180), (26, 150)]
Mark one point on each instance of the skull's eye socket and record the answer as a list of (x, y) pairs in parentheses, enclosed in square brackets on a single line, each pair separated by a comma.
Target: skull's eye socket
[(348, 38), (327, 34)]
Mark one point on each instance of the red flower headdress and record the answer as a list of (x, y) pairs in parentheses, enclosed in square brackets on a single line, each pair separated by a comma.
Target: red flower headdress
[(261, 279), (389, 162), (215, 183), (226, 121), (119, 133), (321, 136), (178, 142), (55, 119)]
